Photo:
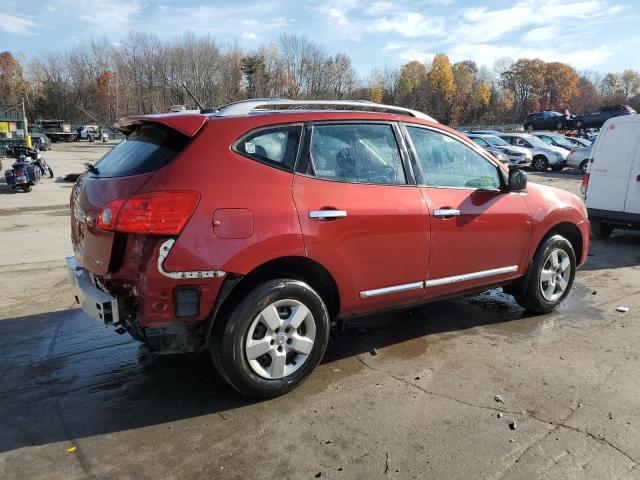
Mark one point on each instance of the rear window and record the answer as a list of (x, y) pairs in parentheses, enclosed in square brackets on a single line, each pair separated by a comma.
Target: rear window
[(147, 149)]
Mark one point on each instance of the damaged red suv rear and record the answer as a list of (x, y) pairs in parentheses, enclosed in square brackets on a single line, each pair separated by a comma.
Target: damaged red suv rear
[(246, 231)]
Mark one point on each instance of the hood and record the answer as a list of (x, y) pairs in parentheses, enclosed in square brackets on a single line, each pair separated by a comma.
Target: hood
[(514, 149), (552, 149)]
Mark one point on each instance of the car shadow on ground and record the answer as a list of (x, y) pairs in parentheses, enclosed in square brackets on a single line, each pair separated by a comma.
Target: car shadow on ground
[(64, 377), (622, 249)]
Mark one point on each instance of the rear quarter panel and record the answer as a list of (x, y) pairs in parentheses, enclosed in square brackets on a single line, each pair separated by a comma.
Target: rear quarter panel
[(227, 180)]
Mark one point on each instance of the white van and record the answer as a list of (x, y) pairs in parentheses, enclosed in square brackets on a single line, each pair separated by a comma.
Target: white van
[(612, 183)]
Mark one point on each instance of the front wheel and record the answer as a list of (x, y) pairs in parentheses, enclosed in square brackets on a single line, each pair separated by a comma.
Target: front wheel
[(551, 276), (559, 125), (25, 187), (272, 339), (540, 163)]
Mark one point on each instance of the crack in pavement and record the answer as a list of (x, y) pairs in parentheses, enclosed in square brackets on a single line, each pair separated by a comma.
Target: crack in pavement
[(557, 424)]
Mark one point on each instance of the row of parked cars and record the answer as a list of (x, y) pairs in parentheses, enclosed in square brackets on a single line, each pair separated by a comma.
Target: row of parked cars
[(539, 150), (563, 120)]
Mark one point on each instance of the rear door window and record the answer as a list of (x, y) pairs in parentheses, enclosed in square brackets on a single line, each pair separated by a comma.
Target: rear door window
[(149, 148), (360, 153), (276, 146)]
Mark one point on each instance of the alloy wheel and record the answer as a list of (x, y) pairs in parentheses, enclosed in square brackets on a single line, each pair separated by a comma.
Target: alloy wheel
[(280, 339), (555, 275)]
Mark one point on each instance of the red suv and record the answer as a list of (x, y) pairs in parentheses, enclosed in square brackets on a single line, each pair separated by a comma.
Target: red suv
[(247, 230)]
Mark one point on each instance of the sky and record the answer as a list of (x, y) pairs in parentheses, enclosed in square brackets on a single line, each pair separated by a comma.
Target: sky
[(600, 35)]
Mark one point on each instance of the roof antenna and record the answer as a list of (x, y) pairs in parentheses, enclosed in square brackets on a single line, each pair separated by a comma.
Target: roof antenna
[(202, 109)]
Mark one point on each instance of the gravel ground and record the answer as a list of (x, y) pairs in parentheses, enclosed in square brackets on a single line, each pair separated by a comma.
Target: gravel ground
[(80, 401)]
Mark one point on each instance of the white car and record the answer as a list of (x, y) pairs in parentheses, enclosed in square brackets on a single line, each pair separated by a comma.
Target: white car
[(514, 156), (579, 158), (611, 185), (544, 156)]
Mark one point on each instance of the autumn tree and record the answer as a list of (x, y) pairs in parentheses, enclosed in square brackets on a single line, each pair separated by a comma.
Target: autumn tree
[(526, 79), (14, 86), (442, 85), (561, 84)]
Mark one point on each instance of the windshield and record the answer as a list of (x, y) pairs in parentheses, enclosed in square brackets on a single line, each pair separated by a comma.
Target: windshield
[(561, 141), (535, 141), (496, 141)]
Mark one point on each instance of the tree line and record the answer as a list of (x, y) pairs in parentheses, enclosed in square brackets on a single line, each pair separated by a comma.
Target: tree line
[(144, 74)]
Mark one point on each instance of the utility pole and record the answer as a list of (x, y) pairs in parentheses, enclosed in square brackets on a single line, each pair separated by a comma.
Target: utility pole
[(26, 126)]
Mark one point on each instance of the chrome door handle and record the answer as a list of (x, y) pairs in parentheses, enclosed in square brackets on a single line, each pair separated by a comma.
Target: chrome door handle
[(325, 214), (446, 212)]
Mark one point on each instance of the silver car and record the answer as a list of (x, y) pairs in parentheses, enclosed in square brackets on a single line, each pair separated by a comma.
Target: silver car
[(544, 156), (515, 156), (579, 158)]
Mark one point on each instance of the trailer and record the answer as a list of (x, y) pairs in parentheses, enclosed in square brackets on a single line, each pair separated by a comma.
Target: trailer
[(57, 130)]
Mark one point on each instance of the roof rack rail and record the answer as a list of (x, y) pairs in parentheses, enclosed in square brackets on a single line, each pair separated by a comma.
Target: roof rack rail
[(245, 107)]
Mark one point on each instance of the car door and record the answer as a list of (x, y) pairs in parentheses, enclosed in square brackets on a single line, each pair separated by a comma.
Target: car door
[(479, 231), (362, 216)]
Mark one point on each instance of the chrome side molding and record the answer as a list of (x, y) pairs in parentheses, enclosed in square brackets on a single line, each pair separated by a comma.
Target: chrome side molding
[(165, 248), (394, 289), (470, 276)]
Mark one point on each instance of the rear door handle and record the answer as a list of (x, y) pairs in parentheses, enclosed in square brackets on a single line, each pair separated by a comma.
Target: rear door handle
[(446, 212), (327, 214)]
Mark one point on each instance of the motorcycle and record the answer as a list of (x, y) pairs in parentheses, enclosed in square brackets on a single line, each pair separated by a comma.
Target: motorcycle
[(29, 168)]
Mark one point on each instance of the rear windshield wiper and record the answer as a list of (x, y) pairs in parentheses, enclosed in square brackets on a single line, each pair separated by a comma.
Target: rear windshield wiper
[(92, 168)]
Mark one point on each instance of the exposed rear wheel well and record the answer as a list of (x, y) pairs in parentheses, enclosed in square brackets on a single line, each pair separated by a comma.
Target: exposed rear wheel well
[(299, 268)]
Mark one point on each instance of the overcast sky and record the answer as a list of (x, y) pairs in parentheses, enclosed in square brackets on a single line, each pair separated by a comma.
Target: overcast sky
[(593, 34)]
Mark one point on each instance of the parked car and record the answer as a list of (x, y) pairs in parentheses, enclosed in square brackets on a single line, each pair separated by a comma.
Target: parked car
[(596, 118), (40, 141), (247, 234), (548, 120), (482, 132), (578, 142), (544, 156), (554, 139), (579, 158), (515, 156), (612, 182)]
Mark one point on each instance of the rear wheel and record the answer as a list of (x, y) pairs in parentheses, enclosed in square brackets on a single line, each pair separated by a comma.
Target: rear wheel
[(583, 166), (272, 339), (579, 124), (559, 125), (551, 276), (540, 163), (25, 188), (528, 127), (601, 229)]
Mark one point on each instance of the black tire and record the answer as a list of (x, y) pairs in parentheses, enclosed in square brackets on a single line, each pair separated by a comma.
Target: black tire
[(557, 168), (559, 125), (583, 166), (601, 229), (50, 172), (229, 333), (531, 296), (540, 163), (25, 188), (579, 124)]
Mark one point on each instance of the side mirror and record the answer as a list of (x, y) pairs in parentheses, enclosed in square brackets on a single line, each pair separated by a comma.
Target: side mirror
[(517, 180)]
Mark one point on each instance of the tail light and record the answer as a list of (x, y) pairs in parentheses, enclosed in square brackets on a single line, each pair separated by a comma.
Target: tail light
[(156, 213), (585, 183)]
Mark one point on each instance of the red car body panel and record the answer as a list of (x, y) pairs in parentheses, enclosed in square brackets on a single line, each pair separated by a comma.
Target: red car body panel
[(251, 213), (383, 240), (492, 231)]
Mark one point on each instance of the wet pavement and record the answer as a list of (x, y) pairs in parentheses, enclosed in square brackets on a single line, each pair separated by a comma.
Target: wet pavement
[(78, 400)]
